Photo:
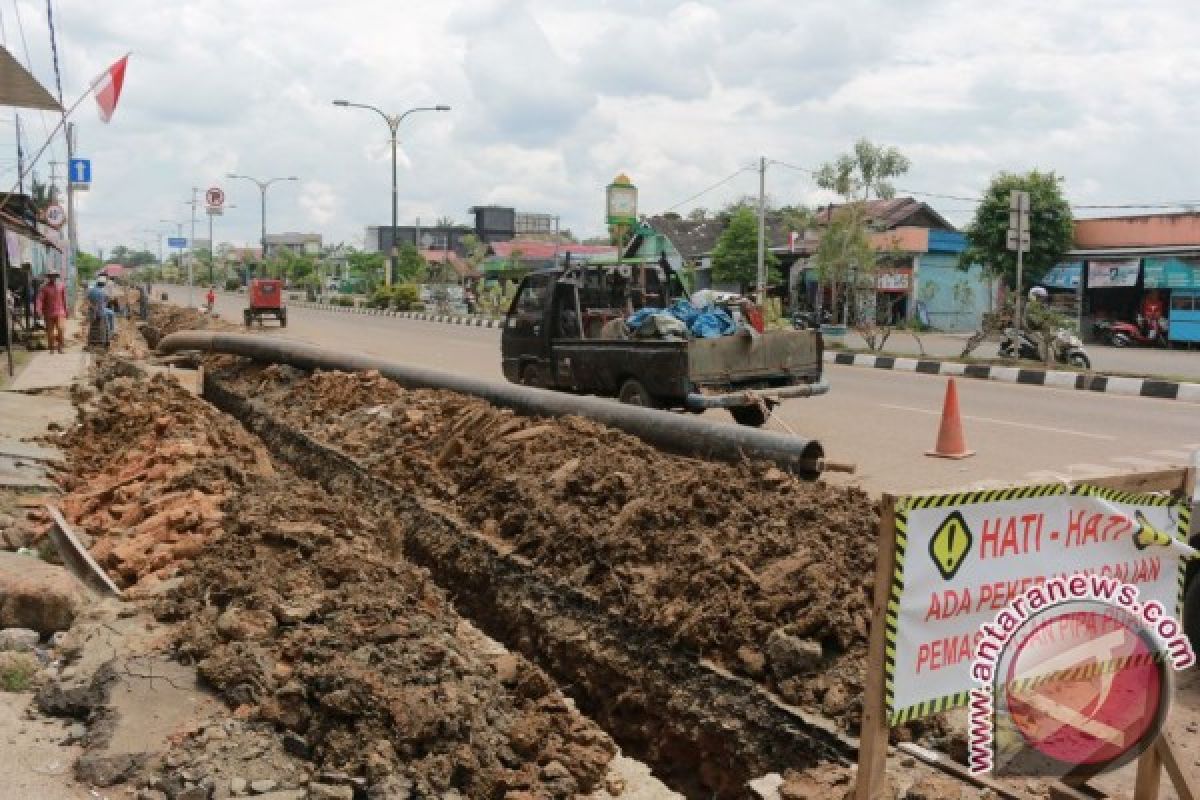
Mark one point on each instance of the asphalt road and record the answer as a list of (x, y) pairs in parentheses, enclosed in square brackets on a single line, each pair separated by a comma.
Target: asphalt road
[(881, 421)]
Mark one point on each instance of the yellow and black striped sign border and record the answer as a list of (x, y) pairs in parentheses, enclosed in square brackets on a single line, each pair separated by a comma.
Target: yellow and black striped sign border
[(921, 502), (1078, 673), (1114, 496)]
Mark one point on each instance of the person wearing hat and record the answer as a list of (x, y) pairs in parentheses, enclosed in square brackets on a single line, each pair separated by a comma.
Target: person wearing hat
[(98, 307), (51, 305)]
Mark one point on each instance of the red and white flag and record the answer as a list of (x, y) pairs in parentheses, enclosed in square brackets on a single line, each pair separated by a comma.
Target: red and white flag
[(108, 88)]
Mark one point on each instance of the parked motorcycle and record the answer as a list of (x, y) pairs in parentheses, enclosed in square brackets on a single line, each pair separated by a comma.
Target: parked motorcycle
[(1127, 334), (1065, 346), (811, 320)]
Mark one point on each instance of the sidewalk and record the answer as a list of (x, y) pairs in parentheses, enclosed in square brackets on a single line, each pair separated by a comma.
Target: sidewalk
[(28, 410)]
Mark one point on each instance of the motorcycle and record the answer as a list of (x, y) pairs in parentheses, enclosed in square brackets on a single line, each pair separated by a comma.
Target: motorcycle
[(811, 320), (1065, 346), (1126, 334)]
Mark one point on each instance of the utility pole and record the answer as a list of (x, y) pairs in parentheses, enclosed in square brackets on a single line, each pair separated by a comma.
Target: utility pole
[(762, 231), (556, 241), (20, 156), (1018, 239), (191, 249), (72, 230)]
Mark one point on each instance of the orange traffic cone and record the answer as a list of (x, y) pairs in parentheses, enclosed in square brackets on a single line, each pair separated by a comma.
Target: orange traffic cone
[(950, 441)]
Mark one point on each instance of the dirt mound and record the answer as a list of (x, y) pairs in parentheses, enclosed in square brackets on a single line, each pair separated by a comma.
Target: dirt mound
[(167, 319), (149, 470), (763, 572), (298, 608)]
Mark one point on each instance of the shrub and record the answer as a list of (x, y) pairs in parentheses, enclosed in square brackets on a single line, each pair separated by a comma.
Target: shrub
[(342, 300), (233, 284), (380, 298), (405, 296)]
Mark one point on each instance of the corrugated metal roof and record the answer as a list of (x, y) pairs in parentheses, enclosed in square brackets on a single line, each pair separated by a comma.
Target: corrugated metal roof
[(19, 88)]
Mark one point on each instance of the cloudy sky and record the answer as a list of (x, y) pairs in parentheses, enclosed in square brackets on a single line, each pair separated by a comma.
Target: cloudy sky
[(552, 98)]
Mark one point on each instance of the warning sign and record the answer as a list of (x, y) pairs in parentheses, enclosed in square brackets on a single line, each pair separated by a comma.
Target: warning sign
[(962, 558)]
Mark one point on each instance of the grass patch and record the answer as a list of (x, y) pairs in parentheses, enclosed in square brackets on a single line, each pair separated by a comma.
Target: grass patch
[(17, 671)]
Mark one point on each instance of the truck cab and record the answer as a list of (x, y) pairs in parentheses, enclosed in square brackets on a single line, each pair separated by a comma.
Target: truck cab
[(565, 331)]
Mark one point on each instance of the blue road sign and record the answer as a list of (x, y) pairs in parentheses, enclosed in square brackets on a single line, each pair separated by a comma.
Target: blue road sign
[(177, 241), (81, 170)]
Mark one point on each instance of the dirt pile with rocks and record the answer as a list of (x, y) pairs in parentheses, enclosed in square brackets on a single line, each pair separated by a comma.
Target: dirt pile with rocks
[(167, 319), (149, 470), (296, 605), (765, 573)]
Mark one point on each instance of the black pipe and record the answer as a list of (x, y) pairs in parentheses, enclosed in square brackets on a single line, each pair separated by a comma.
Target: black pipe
[(678, 433)]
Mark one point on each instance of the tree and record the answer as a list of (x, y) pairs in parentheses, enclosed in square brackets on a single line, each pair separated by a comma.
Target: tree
[(846, 251), (697, 215), (410, 265), (365, 269), (846, 247), (735, 258), (1051, 228), (88, 265), (866, 171), (475, 248)]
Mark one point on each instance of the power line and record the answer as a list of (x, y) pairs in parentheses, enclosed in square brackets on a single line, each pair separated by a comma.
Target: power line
[(703, 192)]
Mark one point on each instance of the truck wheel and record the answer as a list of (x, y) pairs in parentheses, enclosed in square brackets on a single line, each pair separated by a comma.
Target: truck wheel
[(529, 375), (283, 318), (753, 416), (1191, 612), (246, 317), (634, 394)]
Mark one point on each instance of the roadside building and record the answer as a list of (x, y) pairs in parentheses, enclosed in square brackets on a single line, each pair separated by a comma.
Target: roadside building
[(1119, 265), (513, 259), (917, 276), (297, 243)]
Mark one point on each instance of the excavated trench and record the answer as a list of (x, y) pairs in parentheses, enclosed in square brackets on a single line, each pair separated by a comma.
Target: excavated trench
[(704, 730)]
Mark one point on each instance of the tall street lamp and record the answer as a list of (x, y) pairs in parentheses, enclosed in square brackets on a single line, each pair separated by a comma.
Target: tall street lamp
[(262, 188), (393, 122)]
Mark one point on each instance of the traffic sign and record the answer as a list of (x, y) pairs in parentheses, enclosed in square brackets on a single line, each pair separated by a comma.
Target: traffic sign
[(1018, 201), (177, 241), (1011, 241), (214, 197), (55, 216), (81, 170)]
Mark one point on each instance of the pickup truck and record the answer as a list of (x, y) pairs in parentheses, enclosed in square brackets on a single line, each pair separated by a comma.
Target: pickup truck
[(559, 334)]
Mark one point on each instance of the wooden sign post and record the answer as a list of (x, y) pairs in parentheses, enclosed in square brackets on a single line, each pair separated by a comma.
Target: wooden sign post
[(872, 783)]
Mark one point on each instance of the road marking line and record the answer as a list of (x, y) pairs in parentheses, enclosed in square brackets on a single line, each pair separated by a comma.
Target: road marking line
[(1046, 428)]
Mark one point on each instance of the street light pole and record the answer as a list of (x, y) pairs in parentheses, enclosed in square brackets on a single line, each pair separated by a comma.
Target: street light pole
[(393, 122), (262, 188)]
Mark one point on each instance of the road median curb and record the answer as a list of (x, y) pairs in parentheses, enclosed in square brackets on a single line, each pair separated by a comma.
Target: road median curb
[(1056, 379), (447, 319)]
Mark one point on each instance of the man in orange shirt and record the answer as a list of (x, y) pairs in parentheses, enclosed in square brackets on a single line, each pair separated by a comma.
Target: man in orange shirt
[(51, 305)]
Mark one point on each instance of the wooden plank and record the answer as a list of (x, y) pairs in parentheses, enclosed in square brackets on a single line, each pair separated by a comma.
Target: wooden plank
[(1170, 760), (873, 740), (954, 769), (1149, 775), (1063, 791), (76, 557), (1166, 480)]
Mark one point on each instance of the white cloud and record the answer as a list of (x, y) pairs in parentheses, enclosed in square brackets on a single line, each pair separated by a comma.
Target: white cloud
[(552, 99)]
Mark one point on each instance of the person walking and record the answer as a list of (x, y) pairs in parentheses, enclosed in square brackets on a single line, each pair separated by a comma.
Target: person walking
[(98, 309), (51, 306)]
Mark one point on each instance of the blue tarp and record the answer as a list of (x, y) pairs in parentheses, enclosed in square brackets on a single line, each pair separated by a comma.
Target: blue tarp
[(703, 323)]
